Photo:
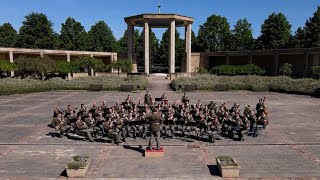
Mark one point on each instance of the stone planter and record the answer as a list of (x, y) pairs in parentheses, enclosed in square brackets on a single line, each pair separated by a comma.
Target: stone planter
[(228, 171), (78, 173)]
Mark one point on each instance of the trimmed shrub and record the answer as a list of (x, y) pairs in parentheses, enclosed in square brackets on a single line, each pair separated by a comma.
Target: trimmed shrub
[(109, 83), (230, 70), (201, 70), (7, 66), (315, 71), (286, 69), (252, 83)]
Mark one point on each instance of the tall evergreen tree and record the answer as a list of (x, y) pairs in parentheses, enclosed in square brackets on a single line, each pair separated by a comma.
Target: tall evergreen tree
[(214, 34), (73, 35), (241, 36), (36, 32), (123, 42), (299, 39), (154, 48), (164, 49), (312, 30), (101, 38), (194, 42), (275, 32), (8, 35)]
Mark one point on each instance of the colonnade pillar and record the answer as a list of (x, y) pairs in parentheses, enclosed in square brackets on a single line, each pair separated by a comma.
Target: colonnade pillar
[(11, 61), (172, 47), (315, 60), (306, 57), (69, 60), (275, 64), (227, 59), (188, 48), (131, 50), (91, 70), (146, 48)]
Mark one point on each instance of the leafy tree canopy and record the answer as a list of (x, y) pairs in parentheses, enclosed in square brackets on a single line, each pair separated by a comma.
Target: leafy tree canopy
[(91, 63), (36, 32), (101, 38), (8, 35), (275, 32), (312, 30), (73, 35), (214, 34), (241, 36)]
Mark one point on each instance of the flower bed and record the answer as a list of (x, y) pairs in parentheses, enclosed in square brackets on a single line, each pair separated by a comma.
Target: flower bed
[(252, 83), (109, 83), (228, 167), (78, 166)]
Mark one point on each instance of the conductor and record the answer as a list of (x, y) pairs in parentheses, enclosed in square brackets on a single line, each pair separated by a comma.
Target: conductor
[(155, 121)]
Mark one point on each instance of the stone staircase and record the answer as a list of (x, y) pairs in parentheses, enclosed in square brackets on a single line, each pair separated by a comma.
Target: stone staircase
[(158, 83)]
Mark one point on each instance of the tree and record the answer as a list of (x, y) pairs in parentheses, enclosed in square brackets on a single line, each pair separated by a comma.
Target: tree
[(36, 32), (8, 35), (73, 35), (312, 30), (194, 42), (87, 62), (138, 44), (123, 42), (164, 49), (122, 64), (214, 34), (201, 70), (275, 32), (241, 36), (315, 71), (154, 48), (286, 69), (65, 67), (35, 66), (299, 39), (101, 38)]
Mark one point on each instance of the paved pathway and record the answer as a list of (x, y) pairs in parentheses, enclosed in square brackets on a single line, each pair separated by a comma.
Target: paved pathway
[(289, 148), (158, 83)]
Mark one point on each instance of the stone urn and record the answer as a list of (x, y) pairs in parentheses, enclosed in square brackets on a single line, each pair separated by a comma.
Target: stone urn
[(228, 167), (78, 167)]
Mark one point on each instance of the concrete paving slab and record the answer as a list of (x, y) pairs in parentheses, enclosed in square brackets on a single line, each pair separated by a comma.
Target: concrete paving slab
[(288, 148)]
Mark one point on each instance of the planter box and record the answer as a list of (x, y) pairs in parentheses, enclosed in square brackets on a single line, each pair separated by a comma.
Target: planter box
[(228, 171), (78, 173)]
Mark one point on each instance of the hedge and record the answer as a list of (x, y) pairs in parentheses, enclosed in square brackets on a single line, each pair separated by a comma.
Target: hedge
[(109, 83), (231, 70), (253, 83)]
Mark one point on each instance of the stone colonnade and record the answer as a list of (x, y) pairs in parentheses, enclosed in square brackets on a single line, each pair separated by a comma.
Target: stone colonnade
[(172, 38), (11, 51)]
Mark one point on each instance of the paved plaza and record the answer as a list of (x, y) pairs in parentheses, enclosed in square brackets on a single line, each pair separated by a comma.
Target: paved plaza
[(288, 148)]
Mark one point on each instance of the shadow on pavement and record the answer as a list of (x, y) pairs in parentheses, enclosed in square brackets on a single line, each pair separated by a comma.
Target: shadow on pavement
[(214, 171), (138, 149)]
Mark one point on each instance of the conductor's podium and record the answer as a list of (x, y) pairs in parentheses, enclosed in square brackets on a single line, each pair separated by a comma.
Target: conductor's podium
[(154, 153)]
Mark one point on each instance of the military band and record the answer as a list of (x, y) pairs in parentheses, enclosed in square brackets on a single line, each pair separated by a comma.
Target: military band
[(155, 119)]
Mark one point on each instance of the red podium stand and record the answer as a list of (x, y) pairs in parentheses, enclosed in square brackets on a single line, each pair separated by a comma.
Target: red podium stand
[(153, 152)]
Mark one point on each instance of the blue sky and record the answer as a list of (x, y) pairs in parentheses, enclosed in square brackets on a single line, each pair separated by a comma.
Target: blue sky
[(88, 12)]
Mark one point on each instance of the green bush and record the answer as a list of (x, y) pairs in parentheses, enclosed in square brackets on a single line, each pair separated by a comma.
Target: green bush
[(227, 161), (65, 67), (78, 162), (7, 66), (252, 82), (230, 70), (201, 70), (32, 66), (315, 71), (109, 83), (286, 69)]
